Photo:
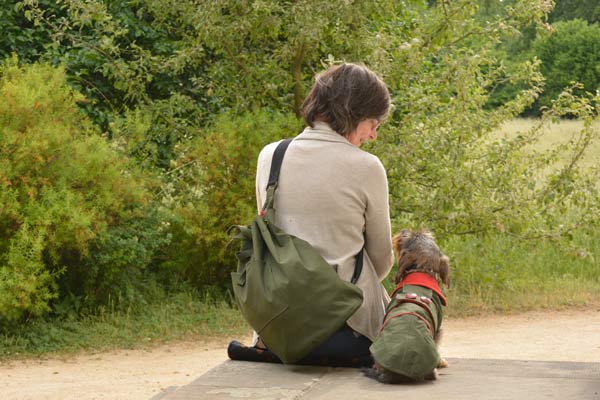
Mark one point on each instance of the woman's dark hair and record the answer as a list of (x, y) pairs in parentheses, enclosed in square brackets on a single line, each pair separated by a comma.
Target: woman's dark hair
[(344, 95)]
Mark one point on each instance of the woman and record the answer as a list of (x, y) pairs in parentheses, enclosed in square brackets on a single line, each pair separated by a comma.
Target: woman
[(335, 196)]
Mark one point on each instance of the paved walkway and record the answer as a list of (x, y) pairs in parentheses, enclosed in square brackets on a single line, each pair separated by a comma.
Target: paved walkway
[(464, 379)]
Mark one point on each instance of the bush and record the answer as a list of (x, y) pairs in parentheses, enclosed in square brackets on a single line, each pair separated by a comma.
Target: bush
[(150, 134), (64, 192), (215, 189)]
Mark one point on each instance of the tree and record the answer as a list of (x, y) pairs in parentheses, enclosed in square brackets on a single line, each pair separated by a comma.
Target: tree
[(160, 57), (20, 35), (565, 10), (447, 171), (570, 54)]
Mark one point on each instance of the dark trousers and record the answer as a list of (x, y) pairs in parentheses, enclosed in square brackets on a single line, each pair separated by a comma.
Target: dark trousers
[(344, 348)]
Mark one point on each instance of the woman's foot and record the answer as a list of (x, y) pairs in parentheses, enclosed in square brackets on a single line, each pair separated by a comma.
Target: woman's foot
[(239, 352)]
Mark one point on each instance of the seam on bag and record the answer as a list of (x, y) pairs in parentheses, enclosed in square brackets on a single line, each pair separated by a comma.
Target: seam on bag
[(272, 319)]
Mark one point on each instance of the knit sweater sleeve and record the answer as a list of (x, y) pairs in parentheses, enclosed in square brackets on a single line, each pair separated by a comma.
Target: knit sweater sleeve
[(263, 167), (377, 219)]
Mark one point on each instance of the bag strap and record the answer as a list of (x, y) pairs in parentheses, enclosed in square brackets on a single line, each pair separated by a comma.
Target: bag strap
[(273, 182), (276, 162), (359, 264), (268, 209)]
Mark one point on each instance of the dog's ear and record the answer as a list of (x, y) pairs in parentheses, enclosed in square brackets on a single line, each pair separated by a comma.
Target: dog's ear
[(396, 239), (399, 242), (399, 239), (444, 270)]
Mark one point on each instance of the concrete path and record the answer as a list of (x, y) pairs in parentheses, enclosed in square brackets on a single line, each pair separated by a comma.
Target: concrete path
[(464, 379)]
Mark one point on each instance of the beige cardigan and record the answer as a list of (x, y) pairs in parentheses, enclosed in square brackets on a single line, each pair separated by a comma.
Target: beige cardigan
[(329, 192)]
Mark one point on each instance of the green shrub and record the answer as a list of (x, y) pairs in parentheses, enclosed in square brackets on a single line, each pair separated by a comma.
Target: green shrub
[(116, 268), (25, 283), (150, 134), (216, 190), (64, 192)]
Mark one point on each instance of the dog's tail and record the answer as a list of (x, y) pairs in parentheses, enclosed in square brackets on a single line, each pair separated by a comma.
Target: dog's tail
[(372, 373), (386, 376)]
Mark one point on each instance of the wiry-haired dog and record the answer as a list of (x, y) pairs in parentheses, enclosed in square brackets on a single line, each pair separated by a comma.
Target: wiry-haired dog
[(406, 348)]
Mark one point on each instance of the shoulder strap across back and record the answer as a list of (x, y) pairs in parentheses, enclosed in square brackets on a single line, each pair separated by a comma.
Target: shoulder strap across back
[(273, 181), (276, 162)]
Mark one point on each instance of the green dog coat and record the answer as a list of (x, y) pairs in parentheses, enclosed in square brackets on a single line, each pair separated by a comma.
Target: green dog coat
[(405, 344)]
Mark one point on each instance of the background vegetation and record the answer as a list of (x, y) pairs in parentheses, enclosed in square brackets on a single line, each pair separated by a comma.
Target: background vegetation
[(129, 132)]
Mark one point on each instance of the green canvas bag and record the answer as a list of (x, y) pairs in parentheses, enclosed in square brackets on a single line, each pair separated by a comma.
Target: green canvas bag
[(284, 288)]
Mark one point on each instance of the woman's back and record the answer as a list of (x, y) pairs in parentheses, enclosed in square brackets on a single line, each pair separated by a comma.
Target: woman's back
[(333, 195)]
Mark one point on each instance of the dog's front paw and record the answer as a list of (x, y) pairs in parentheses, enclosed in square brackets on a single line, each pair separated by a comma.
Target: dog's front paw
[(443, 363)]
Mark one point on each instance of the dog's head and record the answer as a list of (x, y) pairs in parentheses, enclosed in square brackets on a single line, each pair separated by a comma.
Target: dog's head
[(417, 251)]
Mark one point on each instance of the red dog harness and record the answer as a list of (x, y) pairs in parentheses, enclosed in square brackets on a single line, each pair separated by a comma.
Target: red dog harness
[(421, 279), (416, 279)]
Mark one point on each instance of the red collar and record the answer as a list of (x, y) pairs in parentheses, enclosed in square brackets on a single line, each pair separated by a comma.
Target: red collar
[(422, 279)]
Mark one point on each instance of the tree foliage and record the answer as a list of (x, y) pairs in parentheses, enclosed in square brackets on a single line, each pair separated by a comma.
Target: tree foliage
[(565, 10), (161, 56), (567, 49), (570, 54), (447, 171), (20, 35)]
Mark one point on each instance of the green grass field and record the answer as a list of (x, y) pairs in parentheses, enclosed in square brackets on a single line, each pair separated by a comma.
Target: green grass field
[(554, 134), (500, 274), (495, 274), (504, 274)]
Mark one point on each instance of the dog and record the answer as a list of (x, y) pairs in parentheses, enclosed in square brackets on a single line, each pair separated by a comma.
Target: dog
[(406, 349)]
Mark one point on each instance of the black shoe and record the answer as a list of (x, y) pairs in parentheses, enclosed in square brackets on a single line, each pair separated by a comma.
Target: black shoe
[(239, 352)]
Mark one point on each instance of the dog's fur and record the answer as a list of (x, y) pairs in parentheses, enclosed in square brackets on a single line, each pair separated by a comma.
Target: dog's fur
[(419, 252)]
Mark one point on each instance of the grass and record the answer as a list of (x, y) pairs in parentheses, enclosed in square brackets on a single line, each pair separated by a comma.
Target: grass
[(184, 316), (554, 134), (500, 274)]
